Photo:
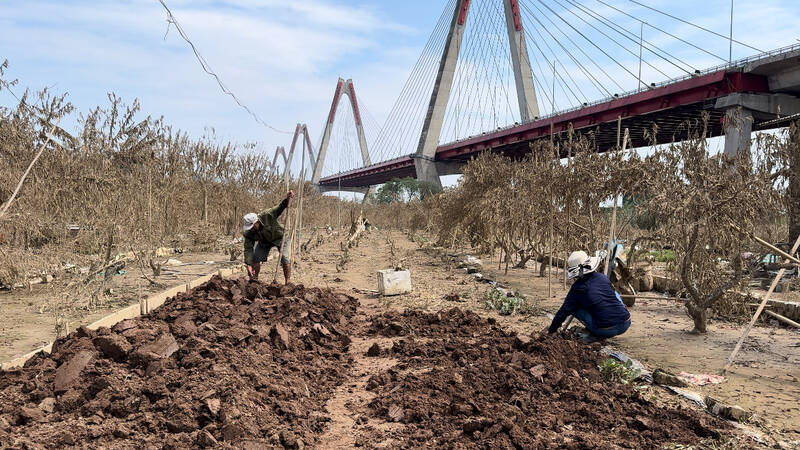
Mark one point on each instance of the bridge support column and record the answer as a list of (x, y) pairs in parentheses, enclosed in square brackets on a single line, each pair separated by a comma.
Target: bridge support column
[(742, 108), (523, 76), (425, 158), (738, 127)]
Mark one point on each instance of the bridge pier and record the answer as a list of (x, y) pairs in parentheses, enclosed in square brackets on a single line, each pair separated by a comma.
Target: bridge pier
[(741, 109), (738, 127), (427, 171)]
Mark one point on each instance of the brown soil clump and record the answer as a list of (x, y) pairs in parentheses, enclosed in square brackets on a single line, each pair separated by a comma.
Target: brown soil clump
[(231, 363), (470, 384)]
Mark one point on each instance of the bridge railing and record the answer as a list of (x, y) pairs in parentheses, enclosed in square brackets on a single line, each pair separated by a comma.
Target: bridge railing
[(727, 66)]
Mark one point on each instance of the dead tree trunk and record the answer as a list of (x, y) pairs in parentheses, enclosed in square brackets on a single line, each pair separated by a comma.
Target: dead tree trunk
[(698, 303), (794, 181), (205, 203)]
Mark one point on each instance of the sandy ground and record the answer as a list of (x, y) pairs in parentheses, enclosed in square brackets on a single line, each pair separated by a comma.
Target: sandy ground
[(765, 380), (27, 319)]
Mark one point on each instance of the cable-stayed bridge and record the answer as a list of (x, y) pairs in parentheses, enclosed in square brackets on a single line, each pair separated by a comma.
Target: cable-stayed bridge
[(496, 75)]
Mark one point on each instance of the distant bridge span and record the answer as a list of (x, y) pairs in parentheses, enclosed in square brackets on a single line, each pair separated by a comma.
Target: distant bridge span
[(765, 90)]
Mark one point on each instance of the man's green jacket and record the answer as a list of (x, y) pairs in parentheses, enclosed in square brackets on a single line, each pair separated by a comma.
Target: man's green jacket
[(270, 232)]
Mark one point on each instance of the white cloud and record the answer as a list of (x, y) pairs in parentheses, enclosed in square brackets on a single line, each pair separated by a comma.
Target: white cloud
[(281, 58)]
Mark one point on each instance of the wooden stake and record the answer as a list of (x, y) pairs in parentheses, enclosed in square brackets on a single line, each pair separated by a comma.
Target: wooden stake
[(758, 311), (283, 241)]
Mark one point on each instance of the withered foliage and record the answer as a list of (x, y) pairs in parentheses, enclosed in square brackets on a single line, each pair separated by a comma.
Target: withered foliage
[(678, 196), (123, 181)]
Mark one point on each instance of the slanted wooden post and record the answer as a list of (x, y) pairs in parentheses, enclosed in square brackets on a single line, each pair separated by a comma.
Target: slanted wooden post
[(759, 310)]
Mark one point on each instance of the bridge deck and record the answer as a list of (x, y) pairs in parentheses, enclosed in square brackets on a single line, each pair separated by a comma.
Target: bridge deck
[(667, 107)]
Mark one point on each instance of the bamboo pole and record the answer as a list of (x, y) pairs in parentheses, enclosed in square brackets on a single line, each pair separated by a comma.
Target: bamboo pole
[(650, 297), (28, 170), (611, 234), (301, 187), (550, 251), (766, 244), (292, 236), (758, 311), (785, 320), (283, 241)]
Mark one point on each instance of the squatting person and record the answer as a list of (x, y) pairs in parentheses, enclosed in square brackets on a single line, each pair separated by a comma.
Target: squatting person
[(592, 300), (262, 232)]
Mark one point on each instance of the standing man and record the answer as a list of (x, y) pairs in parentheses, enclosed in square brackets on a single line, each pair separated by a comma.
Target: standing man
[(262, 232), (592, 300)]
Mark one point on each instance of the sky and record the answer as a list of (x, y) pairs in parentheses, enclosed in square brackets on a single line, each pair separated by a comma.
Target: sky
[(282, 58)]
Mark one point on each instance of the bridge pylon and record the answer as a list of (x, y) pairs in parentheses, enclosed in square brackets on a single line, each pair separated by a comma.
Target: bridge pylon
[(343, 88), (301, 128), (425, 162)]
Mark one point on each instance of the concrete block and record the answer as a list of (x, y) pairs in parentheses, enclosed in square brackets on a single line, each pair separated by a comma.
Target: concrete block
[(394, 282)]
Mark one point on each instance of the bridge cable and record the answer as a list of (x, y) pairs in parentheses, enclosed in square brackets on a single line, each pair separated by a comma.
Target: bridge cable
[(388, 134), (597, 84), (695, 25), (591, 42), (661, 30), (506, 56), (412, 80), (632, 37), (634, 54)]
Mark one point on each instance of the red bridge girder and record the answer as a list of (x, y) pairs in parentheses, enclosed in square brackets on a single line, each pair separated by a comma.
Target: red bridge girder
[(685, 95)]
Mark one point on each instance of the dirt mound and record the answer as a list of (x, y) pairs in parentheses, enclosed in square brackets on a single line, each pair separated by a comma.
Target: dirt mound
[(461, 381), (231, 363)]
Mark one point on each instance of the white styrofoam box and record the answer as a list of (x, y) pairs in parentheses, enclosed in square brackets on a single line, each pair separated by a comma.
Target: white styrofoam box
[(394, 282)]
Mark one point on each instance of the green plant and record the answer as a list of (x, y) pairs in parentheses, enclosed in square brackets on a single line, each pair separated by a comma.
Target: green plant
[(666, 256), (497, 300), (614, 371)]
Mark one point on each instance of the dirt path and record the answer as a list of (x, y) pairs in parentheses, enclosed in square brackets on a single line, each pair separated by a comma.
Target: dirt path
[(348, 406)]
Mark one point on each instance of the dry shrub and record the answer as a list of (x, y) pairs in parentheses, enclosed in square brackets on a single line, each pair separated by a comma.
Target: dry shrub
[(126, 181), (679, 196)]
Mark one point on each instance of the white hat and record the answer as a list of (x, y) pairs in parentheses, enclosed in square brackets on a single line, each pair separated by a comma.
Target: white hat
[(248, 222), (579, 263)]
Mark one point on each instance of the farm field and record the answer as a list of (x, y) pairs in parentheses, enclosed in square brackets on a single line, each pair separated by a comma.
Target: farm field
[(336, 224), (358, 403)]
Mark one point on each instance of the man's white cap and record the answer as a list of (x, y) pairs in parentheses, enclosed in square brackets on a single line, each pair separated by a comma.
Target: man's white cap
[(579, 263), (248, 222)]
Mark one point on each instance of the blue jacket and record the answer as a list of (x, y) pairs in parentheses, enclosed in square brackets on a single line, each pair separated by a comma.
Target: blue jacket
[(594, 294)]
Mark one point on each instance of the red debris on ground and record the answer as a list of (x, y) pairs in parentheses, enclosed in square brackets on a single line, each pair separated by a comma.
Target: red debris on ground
[(463, 382), (231, 363)]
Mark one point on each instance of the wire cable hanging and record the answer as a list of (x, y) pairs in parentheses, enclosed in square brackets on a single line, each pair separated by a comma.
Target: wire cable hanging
[(171, 19)]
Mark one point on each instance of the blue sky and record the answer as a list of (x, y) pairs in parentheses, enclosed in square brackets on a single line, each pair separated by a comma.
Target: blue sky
[(282, 58)]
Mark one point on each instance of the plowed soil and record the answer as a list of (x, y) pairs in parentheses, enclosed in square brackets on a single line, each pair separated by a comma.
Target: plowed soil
[(463, 382), (230, 363), (248, 365)]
